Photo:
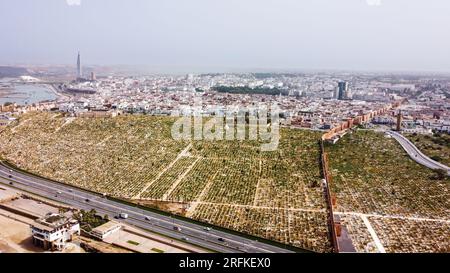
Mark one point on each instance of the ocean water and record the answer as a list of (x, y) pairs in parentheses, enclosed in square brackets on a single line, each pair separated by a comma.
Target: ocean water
[(23, 94)]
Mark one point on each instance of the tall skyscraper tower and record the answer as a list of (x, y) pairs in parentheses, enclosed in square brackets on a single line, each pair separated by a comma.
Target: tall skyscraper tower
[(343, 90), (79, 72)]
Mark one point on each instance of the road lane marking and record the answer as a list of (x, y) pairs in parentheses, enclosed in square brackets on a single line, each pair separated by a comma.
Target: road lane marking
[(62, 187)]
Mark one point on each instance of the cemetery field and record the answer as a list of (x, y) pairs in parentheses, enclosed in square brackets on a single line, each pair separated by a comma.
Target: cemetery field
[(379, 188), (437, 146), (274, 195)]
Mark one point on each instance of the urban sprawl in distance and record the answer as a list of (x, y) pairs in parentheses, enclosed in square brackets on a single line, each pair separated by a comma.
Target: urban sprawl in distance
[(218, 143), (361, 163)]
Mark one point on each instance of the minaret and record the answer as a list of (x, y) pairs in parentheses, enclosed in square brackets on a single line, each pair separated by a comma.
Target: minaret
[(399, 121), (79, 73)]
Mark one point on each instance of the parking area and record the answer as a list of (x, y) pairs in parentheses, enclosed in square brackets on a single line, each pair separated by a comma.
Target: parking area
[(33, 207), (7, 194), (132, 240)]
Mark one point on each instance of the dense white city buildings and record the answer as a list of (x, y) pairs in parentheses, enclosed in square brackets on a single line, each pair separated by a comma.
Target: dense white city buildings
[(311, 100)]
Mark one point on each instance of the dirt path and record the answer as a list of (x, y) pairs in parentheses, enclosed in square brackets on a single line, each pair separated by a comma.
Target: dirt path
[(205, 190), (393, 217), (179, 179), (181, 154)]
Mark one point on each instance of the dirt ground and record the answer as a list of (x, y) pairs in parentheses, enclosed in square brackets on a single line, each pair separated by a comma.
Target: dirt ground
[(176, 208), (33, 207), (101, 246), (15, 237), (140, 244)]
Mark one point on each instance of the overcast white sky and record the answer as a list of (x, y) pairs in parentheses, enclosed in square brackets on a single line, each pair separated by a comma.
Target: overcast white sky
[(409, 35)]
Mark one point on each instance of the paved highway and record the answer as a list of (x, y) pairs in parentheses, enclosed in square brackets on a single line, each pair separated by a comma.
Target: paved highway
[(192, 233), (416, 154)]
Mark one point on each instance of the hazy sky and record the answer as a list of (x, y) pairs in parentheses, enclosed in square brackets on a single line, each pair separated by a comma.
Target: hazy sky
[(243, 34)]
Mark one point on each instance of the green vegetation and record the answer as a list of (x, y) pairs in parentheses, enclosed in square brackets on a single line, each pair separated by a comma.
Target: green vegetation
[(248, 90), (89, 219), (307, 229), (273, 75), (441, 174), (133, 242), (114, 156), (437, 146), (275, 195), (412, 236), (372, 174)]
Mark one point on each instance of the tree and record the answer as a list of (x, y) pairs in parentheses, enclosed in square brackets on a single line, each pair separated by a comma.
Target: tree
[(436, 158), (441, 174), (62, 210)]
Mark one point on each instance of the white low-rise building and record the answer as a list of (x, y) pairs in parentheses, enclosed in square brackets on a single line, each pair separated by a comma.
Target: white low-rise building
[(103, 231), (53, 231)]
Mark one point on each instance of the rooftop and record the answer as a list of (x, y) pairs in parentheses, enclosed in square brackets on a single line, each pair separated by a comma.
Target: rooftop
[(51, 221), (106, 227)]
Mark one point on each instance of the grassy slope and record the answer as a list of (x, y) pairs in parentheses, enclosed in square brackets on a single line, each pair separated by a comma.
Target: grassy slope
[(120, 156), (372, 174), (437, 146)]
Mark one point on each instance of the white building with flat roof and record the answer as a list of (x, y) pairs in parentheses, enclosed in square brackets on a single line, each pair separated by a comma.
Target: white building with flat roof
[(103, 231), (53, 231)]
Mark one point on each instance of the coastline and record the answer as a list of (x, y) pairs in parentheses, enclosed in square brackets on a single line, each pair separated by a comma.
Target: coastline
[(22, 97), (58, 94)]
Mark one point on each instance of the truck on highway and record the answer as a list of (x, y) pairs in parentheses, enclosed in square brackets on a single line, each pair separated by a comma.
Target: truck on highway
[(123, 215)]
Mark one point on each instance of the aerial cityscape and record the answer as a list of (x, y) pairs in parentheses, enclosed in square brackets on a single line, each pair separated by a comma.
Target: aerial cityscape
[(221, 157)]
